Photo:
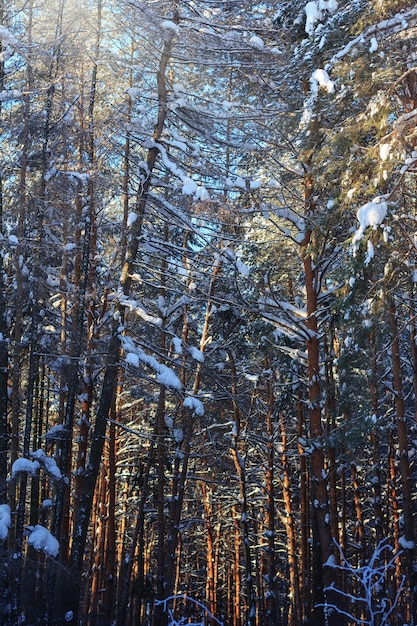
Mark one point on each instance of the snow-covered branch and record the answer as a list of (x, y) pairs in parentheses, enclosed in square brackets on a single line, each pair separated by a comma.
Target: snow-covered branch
[(370, 578), (183, 620)]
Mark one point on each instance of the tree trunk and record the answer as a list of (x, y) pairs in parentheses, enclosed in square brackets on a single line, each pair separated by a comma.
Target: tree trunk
[(239, 462), (407, 540), (272, 606), (360, 531), (236, 610), (161, 616), (322, 536), (380, 529), (294, 589), (304, 542), (211, 591)]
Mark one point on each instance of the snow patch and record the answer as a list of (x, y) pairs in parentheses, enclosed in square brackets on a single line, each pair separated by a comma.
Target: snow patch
[(41, 539), (257, 42), (48, 463), (25, 465), (242, 268), (170, 26), (164, 375), (8, 44), (189, 186), (313, 15), (239, 182), (384, 151), (169, 421), (196, 354), (9, 94), (178, 435), (6, 37), (320, 78), (56, 432), (195, 405), (69, 246), (370, 214), (407, 545), (177, 342), (202, 194), (131, 219), (136, 307), (315, 12), (374, 45), (370, 252), (5, 520)]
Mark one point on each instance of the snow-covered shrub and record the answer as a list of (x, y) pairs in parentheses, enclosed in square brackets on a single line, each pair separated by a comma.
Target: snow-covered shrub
[(172, 621), (370, 580)]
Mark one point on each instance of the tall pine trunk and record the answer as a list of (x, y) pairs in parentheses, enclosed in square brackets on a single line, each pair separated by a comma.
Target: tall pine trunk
[(323, 547), (407, 539)]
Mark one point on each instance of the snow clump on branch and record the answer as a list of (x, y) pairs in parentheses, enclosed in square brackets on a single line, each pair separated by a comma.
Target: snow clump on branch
[(315, 13), (320, 78), (195, 405), (170, 27), (5, 520), (25, 465), (41, 539), (371, 214), (48, 463), (257, 42), (8, 43)]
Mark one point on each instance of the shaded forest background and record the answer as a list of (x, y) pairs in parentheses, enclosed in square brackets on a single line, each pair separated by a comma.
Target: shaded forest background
[(208, 357)]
